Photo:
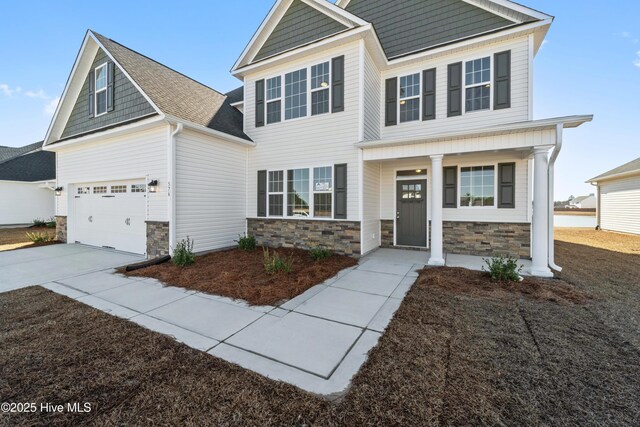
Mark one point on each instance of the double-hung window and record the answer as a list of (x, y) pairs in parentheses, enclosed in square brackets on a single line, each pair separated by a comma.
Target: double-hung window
[(274, 99), (295, 94), (320, 82), (298, 193), (478, 84), (101, 89), (276, 193), (323, 192), (410, 98), (477, 186)]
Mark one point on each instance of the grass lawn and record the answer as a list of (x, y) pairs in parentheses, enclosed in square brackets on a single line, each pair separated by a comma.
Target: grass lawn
[(457, 353), (16, 238), (240, 274)]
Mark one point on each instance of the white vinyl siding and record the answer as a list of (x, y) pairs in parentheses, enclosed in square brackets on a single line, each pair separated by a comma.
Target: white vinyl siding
[(134, 155), (210, 190), (620, 205), (518, 112), (22, 202), (312, 141), (371, 196)]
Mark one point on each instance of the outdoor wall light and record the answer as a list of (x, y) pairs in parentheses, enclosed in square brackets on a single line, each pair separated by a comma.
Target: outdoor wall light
[(58, 191), (153, 186), (324, 84)]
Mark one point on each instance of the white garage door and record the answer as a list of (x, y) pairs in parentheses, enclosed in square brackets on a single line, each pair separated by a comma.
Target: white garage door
[(620, 205), (111, 214)]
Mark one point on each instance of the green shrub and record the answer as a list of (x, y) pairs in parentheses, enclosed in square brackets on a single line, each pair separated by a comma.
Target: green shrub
[(183, 253), (40, 237), (319, 253), (503, 269), (41, 222), (246, 243), (273, 263), (51, 223)]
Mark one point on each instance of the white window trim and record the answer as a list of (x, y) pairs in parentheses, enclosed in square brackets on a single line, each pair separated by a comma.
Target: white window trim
[(282, 193), (318, 89), (270, 101), (96, 91), (410, 97), (283, 80), (465, 86), (495, 185)]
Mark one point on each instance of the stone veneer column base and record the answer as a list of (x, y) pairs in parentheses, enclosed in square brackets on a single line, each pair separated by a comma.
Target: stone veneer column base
[(342, 237), (157, 239), (487, 238), (61, 229)]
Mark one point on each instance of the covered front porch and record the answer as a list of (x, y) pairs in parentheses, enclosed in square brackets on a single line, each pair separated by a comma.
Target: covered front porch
[(477, 193)]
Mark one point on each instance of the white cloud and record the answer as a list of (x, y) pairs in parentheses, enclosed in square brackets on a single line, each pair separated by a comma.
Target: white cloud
[(637, 61), (6, 90), (628, 36), (50, 107), (39, 94)]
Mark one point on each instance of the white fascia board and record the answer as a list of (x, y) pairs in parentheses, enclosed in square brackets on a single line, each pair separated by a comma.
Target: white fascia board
[(210, 132), (237, 104), (566, 122), (136, 126), (348, 19), (124, 71), (342, 3), (325, 43), (523, 9), (599, 180)]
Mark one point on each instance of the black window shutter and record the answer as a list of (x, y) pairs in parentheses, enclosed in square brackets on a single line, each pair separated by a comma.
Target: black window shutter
[(391, 102), (454, 90), (337, 84), (340, 192), (506, 185), (262, 193), (502, 80), (429, 94), (450, 187), (111, 69), (260, 103), (92, 92)]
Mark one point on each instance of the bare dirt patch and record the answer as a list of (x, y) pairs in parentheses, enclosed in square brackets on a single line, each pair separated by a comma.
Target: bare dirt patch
[(16, 238), (240, 274), (609, 240)]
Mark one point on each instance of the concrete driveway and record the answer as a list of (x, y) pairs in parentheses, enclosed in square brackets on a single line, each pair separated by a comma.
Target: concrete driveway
[(38, 266)]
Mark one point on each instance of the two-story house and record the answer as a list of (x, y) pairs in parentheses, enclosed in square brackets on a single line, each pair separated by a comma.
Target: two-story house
[(360, 124)]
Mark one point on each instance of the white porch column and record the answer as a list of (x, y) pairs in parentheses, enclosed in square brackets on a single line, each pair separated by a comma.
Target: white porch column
[(437, 257), (540, 221)]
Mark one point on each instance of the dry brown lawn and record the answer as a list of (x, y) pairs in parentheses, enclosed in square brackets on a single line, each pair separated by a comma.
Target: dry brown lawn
[(16, 238), (458, 352)]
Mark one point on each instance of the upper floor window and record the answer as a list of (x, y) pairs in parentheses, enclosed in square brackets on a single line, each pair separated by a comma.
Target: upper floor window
[(274, 99), (477, 186), (101, 89), (410, 98), (478, 84), (295, 94), (320, 82)]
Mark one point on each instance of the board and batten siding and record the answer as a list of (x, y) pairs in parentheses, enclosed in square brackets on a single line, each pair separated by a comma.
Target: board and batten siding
[(135, 155), (620, 205), (371, 205), (518, 112), (22, 202), (210, 190), (489, 214), (311, 141)]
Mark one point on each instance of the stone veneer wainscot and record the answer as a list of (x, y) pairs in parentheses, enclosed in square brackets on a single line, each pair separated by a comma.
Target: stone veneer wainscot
[(342, 237), (157, 239), (61, 229)]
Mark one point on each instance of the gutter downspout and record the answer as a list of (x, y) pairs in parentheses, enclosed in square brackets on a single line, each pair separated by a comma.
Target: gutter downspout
[(550, 192), (171, 191)]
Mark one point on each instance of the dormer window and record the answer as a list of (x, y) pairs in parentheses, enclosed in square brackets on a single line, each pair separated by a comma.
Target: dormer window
[(478, 84), (101, 89), (410, 98)]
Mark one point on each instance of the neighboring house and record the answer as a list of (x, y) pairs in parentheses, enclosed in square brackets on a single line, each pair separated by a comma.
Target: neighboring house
[(583, 202), (619, 198), (27, 182), (359, 124)]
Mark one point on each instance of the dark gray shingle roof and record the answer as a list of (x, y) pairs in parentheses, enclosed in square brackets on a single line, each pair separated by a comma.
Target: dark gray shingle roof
[(38, 166), (632, 166), (236, 95), (176, 94), (7, 153)]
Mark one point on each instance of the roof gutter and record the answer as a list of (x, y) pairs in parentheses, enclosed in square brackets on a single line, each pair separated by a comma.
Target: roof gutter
[(209, 131), (550, 192)]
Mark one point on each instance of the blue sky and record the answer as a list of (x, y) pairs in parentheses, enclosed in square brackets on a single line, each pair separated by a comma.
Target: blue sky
[(589, 64)]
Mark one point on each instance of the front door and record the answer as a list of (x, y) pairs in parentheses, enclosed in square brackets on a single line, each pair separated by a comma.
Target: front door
[(411, 213)]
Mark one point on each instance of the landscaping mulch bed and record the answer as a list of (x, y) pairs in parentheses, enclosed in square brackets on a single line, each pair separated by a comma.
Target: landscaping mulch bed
[(240, 274)]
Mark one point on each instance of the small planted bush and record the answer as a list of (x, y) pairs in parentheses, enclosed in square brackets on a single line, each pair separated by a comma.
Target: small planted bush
[(40, 237), (274, 263), (246, 243), (183, 253), (319, 253), (51, 223), (41, 222), (503, 269)]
